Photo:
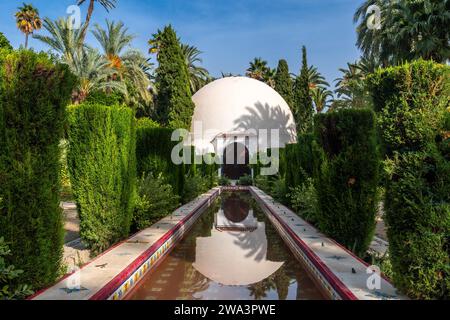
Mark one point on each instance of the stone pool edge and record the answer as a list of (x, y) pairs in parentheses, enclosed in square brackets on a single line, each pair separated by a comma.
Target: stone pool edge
[(122, 283), (331, 282)]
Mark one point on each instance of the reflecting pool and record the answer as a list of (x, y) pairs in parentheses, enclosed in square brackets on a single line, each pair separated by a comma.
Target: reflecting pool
[(232, 252)]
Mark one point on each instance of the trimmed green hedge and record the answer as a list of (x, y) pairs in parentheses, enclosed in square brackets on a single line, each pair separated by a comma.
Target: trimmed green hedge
[(346, 176), (102, 166), (33, 95), (299, 161), (412, 101), (153, 153)]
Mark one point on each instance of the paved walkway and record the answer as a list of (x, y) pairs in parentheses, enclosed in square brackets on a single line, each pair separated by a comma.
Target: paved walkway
[(75, 253)]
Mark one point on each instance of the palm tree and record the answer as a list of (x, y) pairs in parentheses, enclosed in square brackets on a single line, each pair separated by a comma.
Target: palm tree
[(93, 73), (316, 78), (113, 41), (321, 98), (62, 38), (257, 69), (155, 43), (198, 76), (107, 4), (351, 88), (28, 20), (129, 66), (409, 30)]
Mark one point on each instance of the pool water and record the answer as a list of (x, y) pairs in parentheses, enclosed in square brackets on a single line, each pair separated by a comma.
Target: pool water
[(232, 252)]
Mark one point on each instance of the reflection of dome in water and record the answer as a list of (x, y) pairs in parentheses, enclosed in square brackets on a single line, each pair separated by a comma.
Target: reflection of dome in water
[(235, 258), (235, 209)]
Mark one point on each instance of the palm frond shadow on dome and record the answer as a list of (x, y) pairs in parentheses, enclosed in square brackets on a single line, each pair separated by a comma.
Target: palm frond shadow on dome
[(265, 116)]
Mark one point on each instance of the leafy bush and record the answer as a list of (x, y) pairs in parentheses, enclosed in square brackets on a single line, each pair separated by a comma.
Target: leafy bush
[(194, 186), (303, 199), (155, 200), (346, 176), (146, 123), (33, 95), (412, 101), (102, 170), (245, 180), (9, 275), (279, 191), (224, 181), (263, 183)]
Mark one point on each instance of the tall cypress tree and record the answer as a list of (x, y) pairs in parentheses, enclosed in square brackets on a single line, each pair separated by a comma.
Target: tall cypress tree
[(283, 82), (174, 106), (303, 109)]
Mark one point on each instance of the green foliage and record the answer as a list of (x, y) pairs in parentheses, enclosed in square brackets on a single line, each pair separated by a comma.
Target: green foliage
[(224, 181), (146, 123), (245, 180), (303, 105), (346, 176), (194, 186), (4, 43), (299, 161), (105, 98), (153, 153), (283, 82), (155, 200), (263, 183), (303, 199), (418, 217), (174, 106), (279, 190), (412, 101), (9, 275), (102, 168), (33, 95)]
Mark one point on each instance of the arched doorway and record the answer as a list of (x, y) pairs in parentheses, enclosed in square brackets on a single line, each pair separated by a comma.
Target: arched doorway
[(236, 161)]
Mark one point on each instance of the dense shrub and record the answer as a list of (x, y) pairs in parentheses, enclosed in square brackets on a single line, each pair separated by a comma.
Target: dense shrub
[(263, 183), (346, 176), (33, 95), (412, 101), (303, 200), (299, 161), (224, 181), (105, 98), (9, 289), (153, 152), (245, 180), (146, 123), (155, 200), (194, 186), (102, 168)]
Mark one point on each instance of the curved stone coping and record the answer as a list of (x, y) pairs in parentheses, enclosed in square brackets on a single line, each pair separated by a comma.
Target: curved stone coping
[(112, 274), (340, 273)]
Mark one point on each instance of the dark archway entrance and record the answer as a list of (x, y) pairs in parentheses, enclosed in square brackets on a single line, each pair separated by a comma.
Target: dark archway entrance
[(236, 161)]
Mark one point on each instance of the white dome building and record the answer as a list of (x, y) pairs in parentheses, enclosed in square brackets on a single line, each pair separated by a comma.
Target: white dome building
[(240, 112)]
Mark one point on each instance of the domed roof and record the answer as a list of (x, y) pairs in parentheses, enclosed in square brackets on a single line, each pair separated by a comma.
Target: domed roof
[(238, 104)]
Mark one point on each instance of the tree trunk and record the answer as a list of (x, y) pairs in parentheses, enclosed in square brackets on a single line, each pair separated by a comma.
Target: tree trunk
[(88, 20), (26, 40)]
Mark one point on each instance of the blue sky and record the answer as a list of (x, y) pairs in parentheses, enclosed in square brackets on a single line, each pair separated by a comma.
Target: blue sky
[(229, 32)]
